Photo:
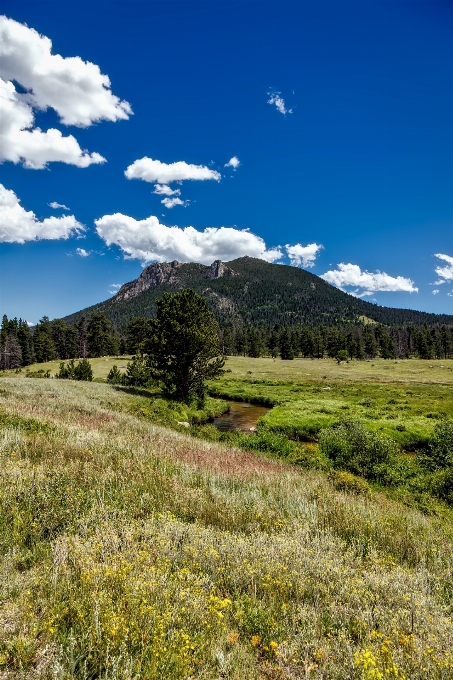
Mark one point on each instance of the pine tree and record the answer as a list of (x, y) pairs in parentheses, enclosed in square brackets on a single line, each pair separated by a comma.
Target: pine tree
[(184, 348), (82, 339)]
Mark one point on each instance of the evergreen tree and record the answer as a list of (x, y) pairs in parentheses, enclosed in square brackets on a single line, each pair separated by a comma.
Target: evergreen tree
[(100, 336), (287, 351), (82, 338), (10, 353), (137, 330), (184, 348), (25, 340), (43, 341)]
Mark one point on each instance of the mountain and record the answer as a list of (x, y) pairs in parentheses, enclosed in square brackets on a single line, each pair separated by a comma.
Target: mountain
[(248, 291)]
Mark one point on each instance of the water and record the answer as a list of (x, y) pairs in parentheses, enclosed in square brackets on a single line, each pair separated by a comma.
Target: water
[(242, 416)]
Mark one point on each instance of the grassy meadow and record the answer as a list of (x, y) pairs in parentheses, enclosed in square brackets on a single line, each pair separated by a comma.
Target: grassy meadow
[(130, 550)]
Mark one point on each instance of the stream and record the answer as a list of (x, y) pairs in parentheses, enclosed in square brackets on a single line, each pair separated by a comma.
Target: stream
[(242, 416)]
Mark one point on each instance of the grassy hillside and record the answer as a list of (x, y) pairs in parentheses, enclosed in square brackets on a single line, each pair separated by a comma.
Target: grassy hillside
[(263, 294), (133, 551)]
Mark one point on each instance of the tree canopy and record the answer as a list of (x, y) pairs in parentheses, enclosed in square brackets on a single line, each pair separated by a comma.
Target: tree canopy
[(183, 347)]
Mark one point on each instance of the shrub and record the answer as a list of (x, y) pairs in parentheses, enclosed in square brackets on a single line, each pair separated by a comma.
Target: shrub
[(442, 484), (352, 447), (346, 481), (138, 373), (115, 377), (441, 447), (73, 371)]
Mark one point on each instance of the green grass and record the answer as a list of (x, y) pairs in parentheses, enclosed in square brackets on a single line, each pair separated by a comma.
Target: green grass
[(401, 400), (133, 551)]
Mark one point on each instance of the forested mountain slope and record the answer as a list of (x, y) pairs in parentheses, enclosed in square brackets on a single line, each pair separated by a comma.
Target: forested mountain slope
[(249, 291)]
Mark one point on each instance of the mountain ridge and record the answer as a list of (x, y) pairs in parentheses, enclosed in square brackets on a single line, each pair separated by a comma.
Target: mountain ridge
[(248, 291)]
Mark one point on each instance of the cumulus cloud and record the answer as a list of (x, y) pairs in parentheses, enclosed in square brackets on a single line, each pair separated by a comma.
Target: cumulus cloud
[(75, 89), (367, 283), (56, 205), (82, 252), (165, 190), (233, 163), (274, 98), (18, 225), (147, 240), (435, 292), (171, 202), (303, 256), (20, 141), (150, 170), (446, 272)]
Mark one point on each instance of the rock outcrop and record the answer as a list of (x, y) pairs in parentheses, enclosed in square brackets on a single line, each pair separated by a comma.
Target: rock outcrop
[(154, 275), (219, 269)]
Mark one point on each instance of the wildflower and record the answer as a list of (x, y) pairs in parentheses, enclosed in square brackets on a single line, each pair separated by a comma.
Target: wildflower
[(256, 640), (233, 638)]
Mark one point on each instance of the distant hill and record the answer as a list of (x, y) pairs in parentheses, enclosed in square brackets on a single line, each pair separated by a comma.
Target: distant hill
[(248, 291)]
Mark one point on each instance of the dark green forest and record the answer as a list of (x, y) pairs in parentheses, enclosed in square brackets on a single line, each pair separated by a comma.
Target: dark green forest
[(262, 294), (96, 336), (262, 309)]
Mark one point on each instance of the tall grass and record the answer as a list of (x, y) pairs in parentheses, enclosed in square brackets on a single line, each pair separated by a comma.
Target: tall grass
[(133, 551)]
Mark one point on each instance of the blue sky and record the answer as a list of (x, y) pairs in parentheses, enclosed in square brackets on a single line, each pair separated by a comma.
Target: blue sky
[(340, 114)]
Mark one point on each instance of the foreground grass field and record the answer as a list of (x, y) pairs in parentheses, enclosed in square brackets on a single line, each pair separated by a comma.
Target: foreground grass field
[(133, 551)]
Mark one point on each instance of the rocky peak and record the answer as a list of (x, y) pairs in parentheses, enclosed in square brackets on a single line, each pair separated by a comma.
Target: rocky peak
[(218, 269), (154, 275)]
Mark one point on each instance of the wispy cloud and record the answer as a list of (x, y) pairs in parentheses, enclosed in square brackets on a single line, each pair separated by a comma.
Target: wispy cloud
[(435, 292), (114, 288), (278, 101), (165, 190), (171, 202), (82, 252), (56, 205), (446, 272)]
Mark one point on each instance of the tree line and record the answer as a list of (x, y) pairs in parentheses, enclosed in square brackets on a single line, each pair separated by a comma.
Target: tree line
[(22, 345)]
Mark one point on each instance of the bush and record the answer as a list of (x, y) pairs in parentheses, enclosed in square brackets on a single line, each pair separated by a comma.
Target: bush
[(73, 371), (442, 484), (138, 373), (346, 481), (115, 377), (441, 447), (352, 447)]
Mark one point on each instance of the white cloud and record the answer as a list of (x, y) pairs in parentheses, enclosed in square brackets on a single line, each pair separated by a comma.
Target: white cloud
[(75, 89), (435, 292), (165, 190), (148, 240), (21, 142), (82, 252), (369, 282), (274, 98), (303, 256), (150, 170), (114, 288), (233, 163), (56, 205), (171, 202), (18, 225), (445, 273)]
